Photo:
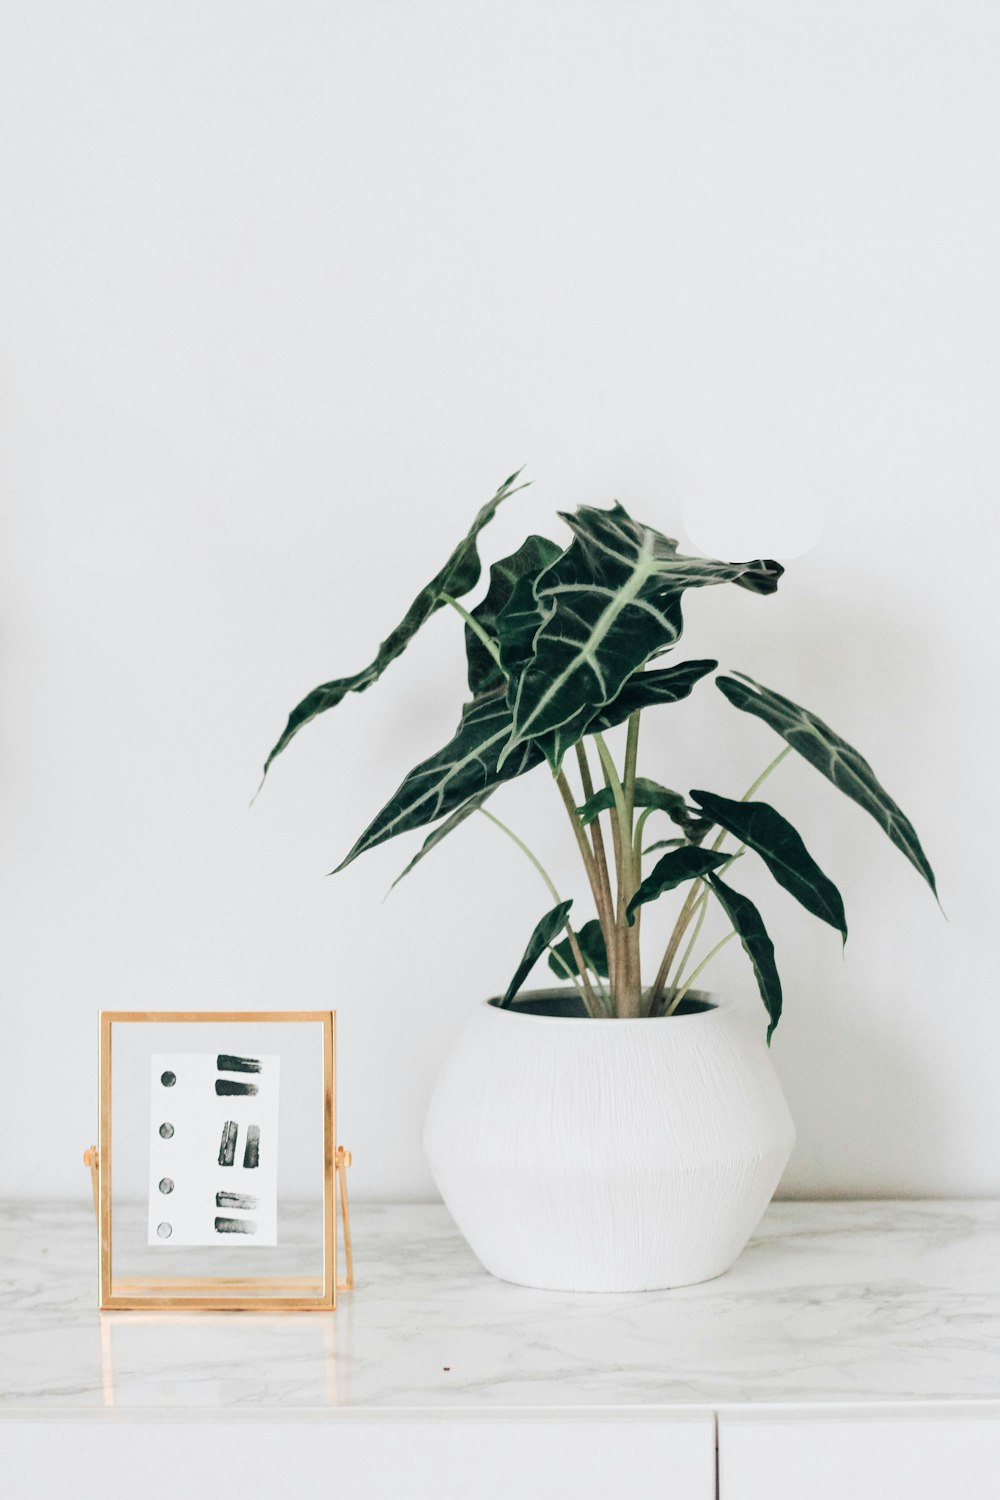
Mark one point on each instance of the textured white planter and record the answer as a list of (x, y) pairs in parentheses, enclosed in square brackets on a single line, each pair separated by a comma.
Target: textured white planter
[(604, 1156)]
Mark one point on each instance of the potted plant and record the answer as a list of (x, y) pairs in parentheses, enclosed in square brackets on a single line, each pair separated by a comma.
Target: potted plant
[(621, 1130)]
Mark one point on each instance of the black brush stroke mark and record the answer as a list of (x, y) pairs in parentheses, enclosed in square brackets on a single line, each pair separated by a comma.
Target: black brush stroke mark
[(251, 1155), (230, 1086), (227, 1064), (235, 1226), (227, 1146), (235, 1200)]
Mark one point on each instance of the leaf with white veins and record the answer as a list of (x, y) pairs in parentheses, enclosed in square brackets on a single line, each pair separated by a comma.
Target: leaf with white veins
[(443, 829), (528, 561), (607, 605), (834, 757), (643, 690), (459, 574), (465, 767), (762, 828)]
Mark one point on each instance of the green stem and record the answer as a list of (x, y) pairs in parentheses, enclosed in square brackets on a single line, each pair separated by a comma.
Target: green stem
[(628, 991), (584, 988), (687, 910), (474, 626), (698, 916), (640, 828), (617, 791), (694, 975), (543, 872), (606, 905), (776, 762)]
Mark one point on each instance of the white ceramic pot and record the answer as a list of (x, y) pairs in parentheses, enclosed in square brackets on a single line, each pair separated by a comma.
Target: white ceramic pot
[(604, 1156)]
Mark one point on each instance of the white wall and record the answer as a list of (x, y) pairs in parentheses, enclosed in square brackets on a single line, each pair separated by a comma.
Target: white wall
[(287, 290)]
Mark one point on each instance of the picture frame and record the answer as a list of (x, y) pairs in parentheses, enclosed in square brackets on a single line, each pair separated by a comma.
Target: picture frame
[(300, 1266)]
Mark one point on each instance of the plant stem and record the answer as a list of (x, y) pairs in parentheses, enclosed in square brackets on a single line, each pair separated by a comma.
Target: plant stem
[(633, 978), (606, 906), (590, 1000), (474, 626), (543, 872), (694, 975), (687, 910), (700, 911), (776, 762), (628, 996), (586, 853)]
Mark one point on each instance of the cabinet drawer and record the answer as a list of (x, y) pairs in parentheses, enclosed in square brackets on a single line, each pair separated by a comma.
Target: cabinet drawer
[(931, 1453), (589, 1456)]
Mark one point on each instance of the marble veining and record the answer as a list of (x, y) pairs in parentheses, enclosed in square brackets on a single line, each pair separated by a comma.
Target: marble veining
[(830, 1303)]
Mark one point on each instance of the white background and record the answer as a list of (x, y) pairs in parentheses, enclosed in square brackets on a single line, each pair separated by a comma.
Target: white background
[(287, 291)]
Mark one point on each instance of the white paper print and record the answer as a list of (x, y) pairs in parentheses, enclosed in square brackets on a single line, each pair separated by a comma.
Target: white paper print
[(213, 1149)]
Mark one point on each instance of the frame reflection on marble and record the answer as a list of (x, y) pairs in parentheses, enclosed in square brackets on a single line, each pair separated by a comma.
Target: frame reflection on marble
[(270, 1250)]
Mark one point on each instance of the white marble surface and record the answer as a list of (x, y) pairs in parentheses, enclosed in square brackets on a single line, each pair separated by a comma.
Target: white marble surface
[(830, 1303)]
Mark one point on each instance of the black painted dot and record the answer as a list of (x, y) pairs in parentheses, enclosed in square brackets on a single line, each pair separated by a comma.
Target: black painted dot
[(168, 1079), (166, 1130), (164, 1230), (166, 1184)]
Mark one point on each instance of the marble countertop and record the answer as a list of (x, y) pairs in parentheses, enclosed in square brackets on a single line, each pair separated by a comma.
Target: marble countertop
[(830, 1303)]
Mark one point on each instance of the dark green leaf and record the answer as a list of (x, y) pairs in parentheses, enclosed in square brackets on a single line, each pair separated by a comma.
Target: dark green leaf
[(517, 623), (552, 923), (838, 761), (652, 794), (664, 844), (443, 829), (459, 574), (466, 767), (686, 863), (643, 690), (607, 605), (746, 919), (647, 689), (591, 941), (763, 829), (527, 562), (647, 794)]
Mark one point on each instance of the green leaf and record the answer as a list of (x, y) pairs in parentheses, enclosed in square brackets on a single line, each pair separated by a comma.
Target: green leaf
[(838, 761), (527, 562), (647, 689), (443, 829), (607, 605), (643, 690), (547, 928), (647, 794), (465, 767), (459, 574), (652, 794), (591, 941), (517, 625), (752, 933), (686, 863), (664, 844), (763, 829)]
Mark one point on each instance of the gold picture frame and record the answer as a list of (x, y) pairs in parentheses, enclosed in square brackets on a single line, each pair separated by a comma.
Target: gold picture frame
[(317, 1293)]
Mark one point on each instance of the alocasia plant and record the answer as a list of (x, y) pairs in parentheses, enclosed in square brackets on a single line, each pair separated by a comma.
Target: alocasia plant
[(559, 651)]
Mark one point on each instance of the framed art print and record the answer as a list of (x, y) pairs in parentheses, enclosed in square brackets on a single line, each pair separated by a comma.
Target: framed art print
[(216, 1164)]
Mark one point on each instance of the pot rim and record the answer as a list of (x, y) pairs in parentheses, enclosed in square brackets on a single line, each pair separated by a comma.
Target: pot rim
[(716, 1006)]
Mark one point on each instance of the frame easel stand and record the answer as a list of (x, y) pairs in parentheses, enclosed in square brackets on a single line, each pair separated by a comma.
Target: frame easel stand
[(342, 1160)]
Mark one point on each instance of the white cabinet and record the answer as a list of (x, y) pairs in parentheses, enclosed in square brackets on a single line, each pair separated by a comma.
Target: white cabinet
[(929, 1453), (852, 1353), (382, 1457)]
